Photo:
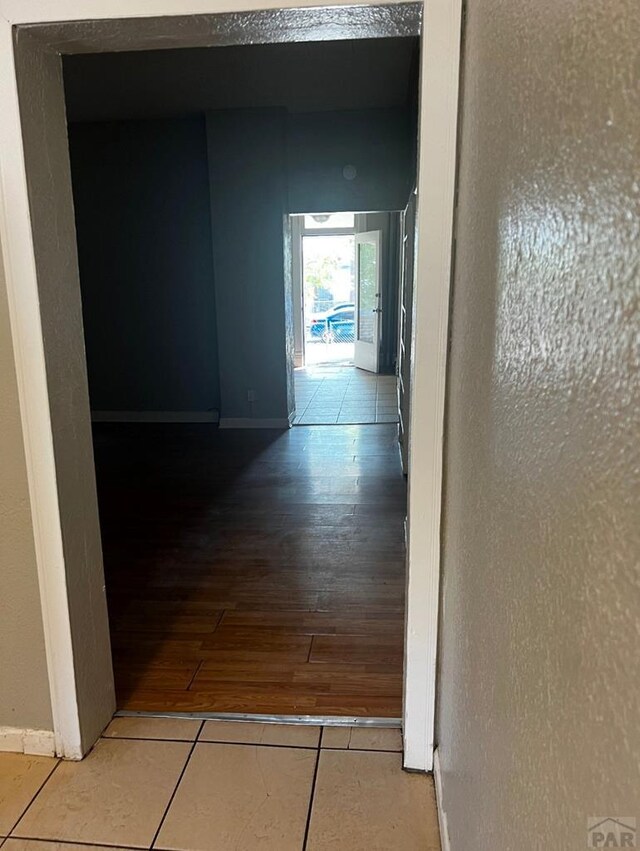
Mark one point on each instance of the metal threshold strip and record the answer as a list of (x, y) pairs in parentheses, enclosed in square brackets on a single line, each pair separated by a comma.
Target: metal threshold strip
[(315, 720)]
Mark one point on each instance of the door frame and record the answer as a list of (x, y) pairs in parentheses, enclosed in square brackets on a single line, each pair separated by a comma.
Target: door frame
[(298, 232), (49, 29)]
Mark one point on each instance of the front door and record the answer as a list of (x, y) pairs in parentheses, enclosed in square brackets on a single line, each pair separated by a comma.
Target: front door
[(368, 309)]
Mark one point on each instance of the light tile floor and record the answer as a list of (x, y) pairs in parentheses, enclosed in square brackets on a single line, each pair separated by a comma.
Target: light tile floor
[(347, 395), (215, 786)]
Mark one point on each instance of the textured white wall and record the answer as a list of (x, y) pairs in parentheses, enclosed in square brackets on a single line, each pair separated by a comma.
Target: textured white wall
[(539, 718), (24, 689)]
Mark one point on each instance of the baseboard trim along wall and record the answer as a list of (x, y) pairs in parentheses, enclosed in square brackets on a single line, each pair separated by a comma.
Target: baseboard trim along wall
[(250, 422), (33, 742), (442, 816), (154, 416)]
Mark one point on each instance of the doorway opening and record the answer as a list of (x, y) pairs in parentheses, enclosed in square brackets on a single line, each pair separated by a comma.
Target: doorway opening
[(250, 568), (54, 402), (345, 278)]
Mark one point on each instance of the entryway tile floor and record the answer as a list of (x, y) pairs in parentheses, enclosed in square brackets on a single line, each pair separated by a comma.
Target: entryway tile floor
[(344, 394), (185, 785)]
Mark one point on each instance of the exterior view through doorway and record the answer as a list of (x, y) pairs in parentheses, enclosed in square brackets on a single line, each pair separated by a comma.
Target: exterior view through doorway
[(328, 289), (339, 293)]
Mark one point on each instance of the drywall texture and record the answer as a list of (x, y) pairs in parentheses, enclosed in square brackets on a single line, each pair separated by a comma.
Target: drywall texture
[(247, 186), (24, 687), (51, 206), (141, 195), (222, 28), (539, 719)]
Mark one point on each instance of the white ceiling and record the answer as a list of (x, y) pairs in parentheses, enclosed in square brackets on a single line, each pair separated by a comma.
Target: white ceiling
[(315, 76)]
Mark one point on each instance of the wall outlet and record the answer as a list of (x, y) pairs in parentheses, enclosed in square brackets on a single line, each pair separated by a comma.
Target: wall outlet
[(251, 395)]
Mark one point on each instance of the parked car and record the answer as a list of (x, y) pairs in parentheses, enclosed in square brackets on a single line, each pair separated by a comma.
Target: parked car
[(335, 326), (321, 315)]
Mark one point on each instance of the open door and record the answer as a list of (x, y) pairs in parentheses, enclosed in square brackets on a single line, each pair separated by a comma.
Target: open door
[(408, 219), (368, 310)]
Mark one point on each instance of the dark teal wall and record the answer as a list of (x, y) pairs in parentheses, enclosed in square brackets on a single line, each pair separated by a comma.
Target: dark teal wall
[(141, 195), (181, 247), (378, 142), (248, 205)]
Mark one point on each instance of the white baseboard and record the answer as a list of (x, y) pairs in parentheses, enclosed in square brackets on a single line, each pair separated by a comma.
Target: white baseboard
[(154, 416), (34, 742), (442, 816), (250, 422)]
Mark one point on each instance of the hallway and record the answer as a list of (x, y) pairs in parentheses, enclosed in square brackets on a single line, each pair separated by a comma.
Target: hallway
[(254, 571)]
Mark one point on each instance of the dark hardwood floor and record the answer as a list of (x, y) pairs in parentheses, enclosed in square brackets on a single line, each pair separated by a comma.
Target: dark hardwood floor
[(254, 571)]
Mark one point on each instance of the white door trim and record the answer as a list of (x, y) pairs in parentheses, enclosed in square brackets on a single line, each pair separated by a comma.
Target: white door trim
[(439, 81), (24, 312), (297, 291), (437, 150)]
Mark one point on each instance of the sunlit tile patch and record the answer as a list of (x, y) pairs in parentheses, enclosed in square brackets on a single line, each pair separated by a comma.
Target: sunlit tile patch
[(344, 395)]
